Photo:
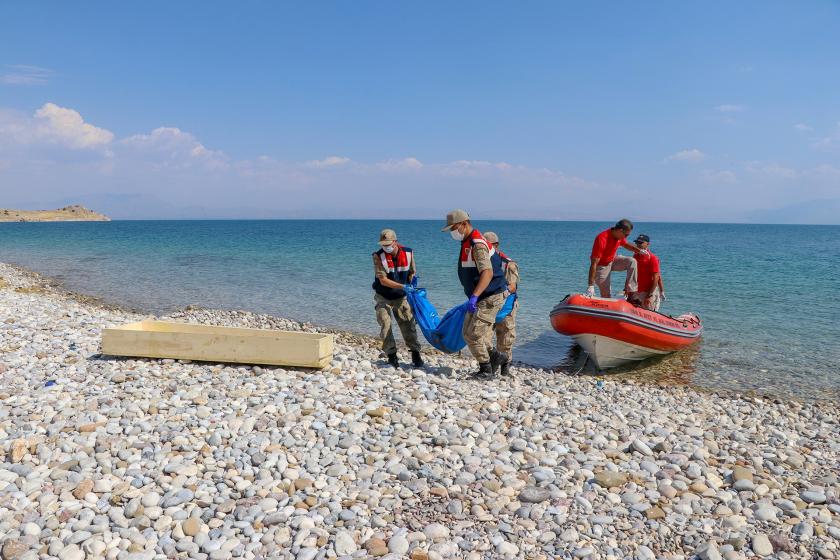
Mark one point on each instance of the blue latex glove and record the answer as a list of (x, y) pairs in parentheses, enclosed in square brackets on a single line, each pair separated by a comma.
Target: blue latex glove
[(472, 304)]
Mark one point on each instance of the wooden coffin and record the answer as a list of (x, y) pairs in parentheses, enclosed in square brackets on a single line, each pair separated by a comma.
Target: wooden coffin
[(183, 341)]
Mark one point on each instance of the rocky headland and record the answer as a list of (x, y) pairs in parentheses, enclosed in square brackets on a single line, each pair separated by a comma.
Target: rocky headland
[(73, 213)]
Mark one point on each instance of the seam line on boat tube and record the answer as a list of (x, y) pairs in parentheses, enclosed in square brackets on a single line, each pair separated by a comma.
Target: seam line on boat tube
[(628, 318)]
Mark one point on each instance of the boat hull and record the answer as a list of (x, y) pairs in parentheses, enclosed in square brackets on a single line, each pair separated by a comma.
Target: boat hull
[(614, 332), (609, 353)]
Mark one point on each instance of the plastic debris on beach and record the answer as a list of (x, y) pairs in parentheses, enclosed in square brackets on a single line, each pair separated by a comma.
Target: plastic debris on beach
[(49, 383), (444, 333)]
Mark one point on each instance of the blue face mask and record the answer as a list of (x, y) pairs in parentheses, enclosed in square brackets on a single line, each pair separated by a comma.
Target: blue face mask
[(389, 248)]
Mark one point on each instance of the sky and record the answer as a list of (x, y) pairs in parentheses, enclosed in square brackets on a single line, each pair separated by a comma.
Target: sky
[(656, 111)]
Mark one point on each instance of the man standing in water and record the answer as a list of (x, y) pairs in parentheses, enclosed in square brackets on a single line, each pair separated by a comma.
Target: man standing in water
[(651, 290), (394, 267), (603, 259), (480, 273), (506, 328)]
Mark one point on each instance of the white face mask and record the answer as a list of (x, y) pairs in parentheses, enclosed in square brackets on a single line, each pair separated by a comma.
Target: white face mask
[(389, 248), (456, 235)]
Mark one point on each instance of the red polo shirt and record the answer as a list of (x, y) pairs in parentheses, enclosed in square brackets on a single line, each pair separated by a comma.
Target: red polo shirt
[(605, 247), (646, 266)]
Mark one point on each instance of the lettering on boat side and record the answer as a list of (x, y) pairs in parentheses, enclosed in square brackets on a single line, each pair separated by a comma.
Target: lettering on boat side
[(653, 317)]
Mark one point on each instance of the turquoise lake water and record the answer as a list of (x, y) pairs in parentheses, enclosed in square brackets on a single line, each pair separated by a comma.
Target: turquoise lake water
[(768, 295)]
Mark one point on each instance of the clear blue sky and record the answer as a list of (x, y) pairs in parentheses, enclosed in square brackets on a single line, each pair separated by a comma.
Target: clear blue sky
[(674, 111)]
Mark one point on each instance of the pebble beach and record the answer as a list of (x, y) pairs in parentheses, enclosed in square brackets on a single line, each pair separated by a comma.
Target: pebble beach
[(150, 459)]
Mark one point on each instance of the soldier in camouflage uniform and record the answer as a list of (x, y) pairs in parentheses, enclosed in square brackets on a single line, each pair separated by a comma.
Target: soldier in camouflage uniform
[(506, 328), (480, 273), (394, 267)]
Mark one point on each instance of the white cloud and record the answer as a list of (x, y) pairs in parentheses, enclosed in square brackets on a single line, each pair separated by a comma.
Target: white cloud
[(729, 108), (802, 127), (25, 75), (331, 161), (720, 177), (771, 169), (831, 141), (688, 156), (404, 164), (67, 127), (826, 170), (15, 128), (512, 174), (172, 146), (52, 125), (471, 164), (164, 138), (476, 168), (46, 163)]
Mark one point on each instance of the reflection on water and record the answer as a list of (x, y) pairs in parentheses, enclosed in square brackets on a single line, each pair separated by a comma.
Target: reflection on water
[(685, 368), (545, 350), (676, 369)]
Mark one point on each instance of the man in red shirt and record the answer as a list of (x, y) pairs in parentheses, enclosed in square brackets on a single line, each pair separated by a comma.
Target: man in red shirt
[(651, 290), (604, 260)]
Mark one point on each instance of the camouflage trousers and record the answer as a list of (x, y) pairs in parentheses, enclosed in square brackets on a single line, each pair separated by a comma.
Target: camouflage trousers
[(506, 332), (478, 327), (401, 311)]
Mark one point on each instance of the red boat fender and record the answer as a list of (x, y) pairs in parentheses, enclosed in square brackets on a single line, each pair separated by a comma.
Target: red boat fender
[(620, 320)]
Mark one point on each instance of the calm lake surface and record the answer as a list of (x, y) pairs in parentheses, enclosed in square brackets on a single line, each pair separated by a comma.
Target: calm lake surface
[(768, 298)]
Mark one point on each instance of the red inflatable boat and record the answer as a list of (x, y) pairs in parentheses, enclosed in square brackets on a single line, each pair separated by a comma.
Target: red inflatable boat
[(615, 332)]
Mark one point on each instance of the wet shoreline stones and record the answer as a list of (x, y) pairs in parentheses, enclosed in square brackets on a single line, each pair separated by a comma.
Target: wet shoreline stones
[(131, 459)]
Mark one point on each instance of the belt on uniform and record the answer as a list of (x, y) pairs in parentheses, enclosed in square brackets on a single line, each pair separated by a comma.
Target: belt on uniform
[(485, 295)]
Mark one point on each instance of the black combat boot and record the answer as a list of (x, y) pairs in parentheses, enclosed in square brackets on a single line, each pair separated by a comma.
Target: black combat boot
[(496, 359), (416, 359), (483, 372), (506, 368), (392, 359)]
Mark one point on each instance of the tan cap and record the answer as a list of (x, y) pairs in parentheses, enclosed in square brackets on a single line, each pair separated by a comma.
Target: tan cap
[(491, 237), (387, 236), (455, 217)]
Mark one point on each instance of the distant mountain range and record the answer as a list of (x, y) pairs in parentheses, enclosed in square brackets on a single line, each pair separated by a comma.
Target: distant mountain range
[(824, 211), (134, 206), (72, 213)]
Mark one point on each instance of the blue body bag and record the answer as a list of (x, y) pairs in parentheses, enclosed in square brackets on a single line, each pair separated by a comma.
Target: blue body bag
[(445, 333)]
